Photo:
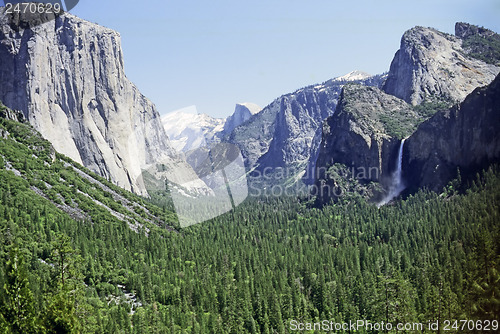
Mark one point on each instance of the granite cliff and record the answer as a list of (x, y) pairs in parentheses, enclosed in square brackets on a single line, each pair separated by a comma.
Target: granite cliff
[(242, 113), (360, 141), (67, 77), (466, 136), (431, 64)]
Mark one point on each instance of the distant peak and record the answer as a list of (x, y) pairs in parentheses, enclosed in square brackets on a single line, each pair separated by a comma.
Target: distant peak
[(242, 113), (353, 76), (252, 107)]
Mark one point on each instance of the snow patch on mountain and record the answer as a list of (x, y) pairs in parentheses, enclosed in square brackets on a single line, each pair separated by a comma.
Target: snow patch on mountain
[(353, 76), (252, 107), (188, 130)]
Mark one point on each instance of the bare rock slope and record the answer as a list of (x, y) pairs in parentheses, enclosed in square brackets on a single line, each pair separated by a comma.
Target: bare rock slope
[(362, 137)]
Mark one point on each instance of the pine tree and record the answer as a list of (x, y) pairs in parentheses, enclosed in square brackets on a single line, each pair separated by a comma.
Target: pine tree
[(18, 303), (63, 305)]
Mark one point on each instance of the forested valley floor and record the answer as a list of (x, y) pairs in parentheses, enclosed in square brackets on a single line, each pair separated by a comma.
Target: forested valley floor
[(253, 270)]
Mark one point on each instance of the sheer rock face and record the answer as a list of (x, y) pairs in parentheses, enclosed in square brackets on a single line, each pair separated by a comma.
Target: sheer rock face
[(467, 137), (67, 77), (286, 133), (280, 138), (431, 63), (297, 118)]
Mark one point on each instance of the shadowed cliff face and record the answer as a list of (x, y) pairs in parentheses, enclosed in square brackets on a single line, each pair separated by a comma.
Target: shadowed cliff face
[(430, 63), (282, 132), (467, 137), (363, 135), (67, 77)]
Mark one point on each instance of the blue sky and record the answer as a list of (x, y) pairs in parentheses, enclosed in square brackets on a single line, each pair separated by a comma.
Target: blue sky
[(213, 54)]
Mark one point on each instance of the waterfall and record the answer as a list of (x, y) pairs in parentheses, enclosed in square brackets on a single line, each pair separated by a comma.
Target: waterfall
[(396, 185), (398, 175)]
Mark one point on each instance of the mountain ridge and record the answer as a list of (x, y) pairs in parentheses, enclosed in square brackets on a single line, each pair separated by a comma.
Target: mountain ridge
[(426, 56), (428, 75), (285, 133), (189, 131)]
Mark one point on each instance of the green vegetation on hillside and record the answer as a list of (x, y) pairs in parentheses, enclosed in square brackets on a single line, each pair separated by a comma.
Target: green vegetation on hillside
[(400, 125), (397, 126), (485, 48), (430, 106), (253, 270), (73, 188), (376, 112)]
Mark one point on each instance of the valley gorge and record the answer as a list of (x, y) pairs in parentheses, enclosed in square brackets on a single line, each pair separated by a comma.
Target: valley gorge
[(82, 102), (371, 197), (286, 134)]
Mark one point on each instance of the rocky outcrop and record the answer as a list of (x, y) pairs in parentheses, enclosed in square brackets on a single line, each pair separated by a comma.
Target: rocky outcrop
[(430, 70), (254, 136), (430, 63), (285, 134), (10, 114), (465, 30), (298, 117), (67, 77), (467, 137), (242, 113), (363, 135), (280, 137)]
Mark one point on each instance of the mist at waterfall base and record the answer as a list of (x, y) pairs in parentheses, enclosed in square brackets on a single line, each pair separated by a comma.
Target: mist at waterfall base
[(396, 184)]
